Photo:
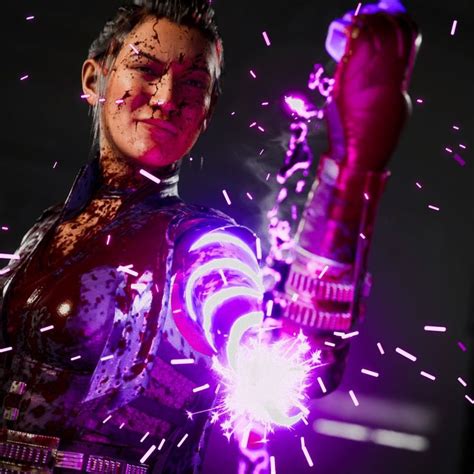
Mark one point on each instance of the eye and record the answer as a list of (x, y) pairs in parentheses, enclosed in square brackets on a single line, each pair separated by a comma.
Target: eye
[(196, 83), (147, 70)]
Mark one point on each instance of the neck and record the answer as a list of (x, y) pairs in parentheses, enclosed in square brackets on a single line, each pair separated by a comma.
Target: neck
[(119, 176)]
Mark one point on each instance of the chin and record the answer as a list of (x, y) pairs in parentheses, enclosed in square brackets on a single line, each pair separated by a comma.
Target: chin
[(156, 158)]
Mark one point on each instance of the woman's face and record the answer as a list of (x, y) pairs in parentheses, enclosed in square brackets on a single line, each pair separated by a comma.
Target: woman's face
[(158, 93)]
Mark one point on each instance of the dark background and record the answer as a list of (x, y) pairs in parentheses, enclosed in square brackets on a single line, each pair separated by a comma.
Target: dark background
[(421, 259)]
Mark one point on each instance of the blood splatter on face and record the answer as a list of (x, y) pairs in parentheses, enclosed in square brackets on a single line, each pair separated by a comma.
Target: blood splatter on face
[(158, 93)]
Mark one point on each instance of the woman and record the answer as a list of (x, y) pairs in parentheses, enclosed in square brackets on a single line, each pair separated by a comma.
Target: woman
[(123, 293)]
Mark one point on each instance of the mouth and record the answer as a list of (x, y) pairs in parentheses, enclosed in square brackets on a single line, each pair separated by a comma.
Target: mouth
[(161, 124)]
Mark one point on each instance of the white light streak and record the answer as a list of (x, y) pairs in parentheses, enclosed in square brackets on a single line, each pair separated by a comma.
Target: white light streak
[(272, 465), (462, 382), (150, 176), (380, 348), (6, 349), (144, 437), (435, 328), (181, 361), (266, 38), (183, 439), (226, 196), (201, 388), (453, 27), (10, 256), (321, 384), (46, 328), (75, 358), (108, 357), (405, 354), (427, 375), (105, 420), (354, 398), (162, 442), (370, 372), (306, 453), (151, 449)]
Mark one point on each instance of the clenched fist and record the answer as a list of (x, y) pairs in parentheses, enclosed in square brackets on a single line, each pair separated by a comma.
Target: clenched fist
[(370, 102)]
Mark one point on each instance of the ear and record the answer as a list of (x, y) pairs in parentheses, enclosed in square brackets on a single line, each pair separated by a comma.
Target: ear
[(90, 74)]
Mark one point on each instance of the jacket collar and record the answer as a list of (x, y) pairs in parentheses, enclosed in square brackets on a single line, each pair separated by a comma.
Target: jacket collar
[(88, 181)]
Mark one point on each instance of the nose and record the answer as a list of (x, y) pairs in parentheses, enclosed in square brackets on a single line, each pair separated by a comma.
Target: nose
[(162, 97)]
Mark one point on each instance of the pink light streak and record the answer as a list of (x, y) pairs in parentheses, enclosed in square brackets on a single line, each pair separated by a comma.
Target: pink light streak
[(380, 348), (358, 9), (306, 453), (462, 346), (181, 361), (183, 439), (469, 399), (419, 101), (435, 328), (6, 349), (253, 74), (354, 398), (75, 358), (10, 256), (134, 49), (150, 176), (419, 185), (434, 208), (405, 354), (108, 240), (462, 381), (321, 384), (266, 38), (427, 375), (453, 27), (24, 77), (226, 197), (272, 465), (46, 328), (249, 196), (150, 451), (370, 372), (30, 17), (162, 442), (324, 270), (4, 227)]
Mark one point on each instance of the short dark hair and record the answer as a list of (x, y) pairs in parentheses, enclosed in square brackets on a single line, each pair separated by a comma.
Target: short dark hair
[(105, 48)]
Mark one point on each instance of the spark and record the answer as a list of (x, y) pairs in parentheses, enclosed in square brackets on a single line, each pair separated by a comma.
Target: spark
[(46, 328), (85, 96), (354, 398), (362, 236), (469, 399), (10, 256), (462, 346), (6, 349), (108, 240), (453, 27), (226, 197), (75, 358), (162, 442), (435, 328), (462, 146), (272, 465), (119, 101), (434, 208), (224, 279), (107, 357), (321, 384), (127, 269), (330, 344), (55, 163), (306, 453), (269, 307), (405, 354), (449, 150), (183, 439), (253, 74), (122, 425), (427, 375), (462, 382), (252, 124), (105, 420), (369, 372), (324, 270), (419, 101), (150, 176), (264, 104), (268, 175), (144, 437), (201, 388), (24, 77), (249, 196), (261, 129), (366, 197), (181, 361), (258, 244), (455, 127), (380, 348), (150, 451), (134, 48), (264, 382), (358, 9), (266, 38), (30, 17), (419, 185)]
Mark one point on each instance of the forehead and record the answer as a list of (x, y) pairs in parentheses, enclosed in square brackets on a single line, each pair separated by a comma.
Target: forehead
[(170, 42)]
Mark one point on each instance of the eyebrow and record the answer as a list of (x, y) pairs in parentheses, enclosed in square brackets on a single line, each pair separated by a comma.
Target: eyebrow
[(194, 66)]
